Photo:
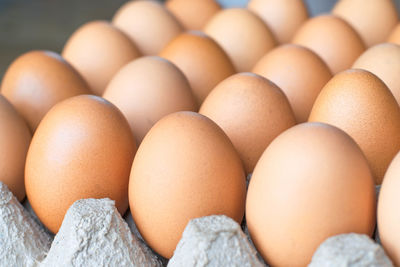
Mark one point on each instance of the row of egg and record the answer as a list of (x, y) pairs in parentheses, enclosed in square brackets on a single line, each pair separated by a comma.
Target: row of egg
[(311, 182)]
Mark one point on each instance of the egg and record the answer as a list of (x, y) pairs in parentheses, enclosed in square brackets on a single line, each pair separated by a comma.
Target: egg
[(252, 111), (383, 60), (394, 36), (311, 183), (15, 138), (144, 99), (37, 80), (149, 25), (185, 168), (193, 14), (359, 103), (249, 40), (283, 17), (333, 39), (83, 148), (202, 61), (308, 74), (98, 50), (373, 19), (388, 212)]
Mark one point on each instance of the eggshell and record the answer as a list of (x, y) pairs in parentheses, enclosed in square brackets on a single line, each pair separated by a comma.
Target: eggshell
[(308, 74), (394, 36), (37, 80), (388, 212), (201, 59), (146, 90), (311, 183), (249, 40), (83, 148), (372, 19), (383, 60), (252, 111), (283, 17), (333, 39), (98, 50), (359, 103), (15, 138), (185, 168), (149, 25), (193, 14)]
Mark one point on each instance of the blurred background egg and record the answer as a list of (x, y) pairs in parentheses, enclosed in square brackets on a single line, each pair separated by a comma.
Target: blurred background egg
[(201, 59), (83, 148), (38, 80), (15, 138), (146, 90), (308, 74), (394, 36), (359, 103), (312, 182), (193, 14), (98, 50), (185, 168), (283, 17), (242, 34), (372, 19), (252, 111), (333, 39), (149, 25)]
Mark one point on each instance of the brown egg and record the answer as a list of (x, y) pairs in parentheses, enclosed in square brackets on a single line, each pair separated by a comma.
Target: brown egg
[(15, 138), (185, 168), (388, 211), (242, 34), (252, 111), (333, 39), (311, 183), (38, 80), (372, 19), (383, 60), (359, 103), (149, 25), (98, 50), (83, 148), (146, 90), (394, 36), (193, 14), (201, 59), (283, 17), (308, 74)]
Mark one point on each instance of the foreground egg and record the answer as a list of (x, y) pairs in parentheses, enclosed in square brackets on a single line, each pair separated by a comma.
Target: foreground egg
[(185, 168), (83, 148), (311, 183), (98, 50), (359, 103), (38, 80), (15, 138)]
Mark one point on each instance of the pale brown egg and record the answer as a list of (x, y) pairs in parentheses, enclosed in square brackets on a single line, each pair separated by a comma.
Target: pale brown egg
[(83, 148), (193, 14), (359, 103), (394, 36), (98, 50), (383, 60), (308, 73), (372, 19), (242, 34), (15, 138), (283, 17), (149, 25), (252, 111), (146, 90), (185, 168), (333, 39), (311, 183), (202, 61), (38, 80)]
